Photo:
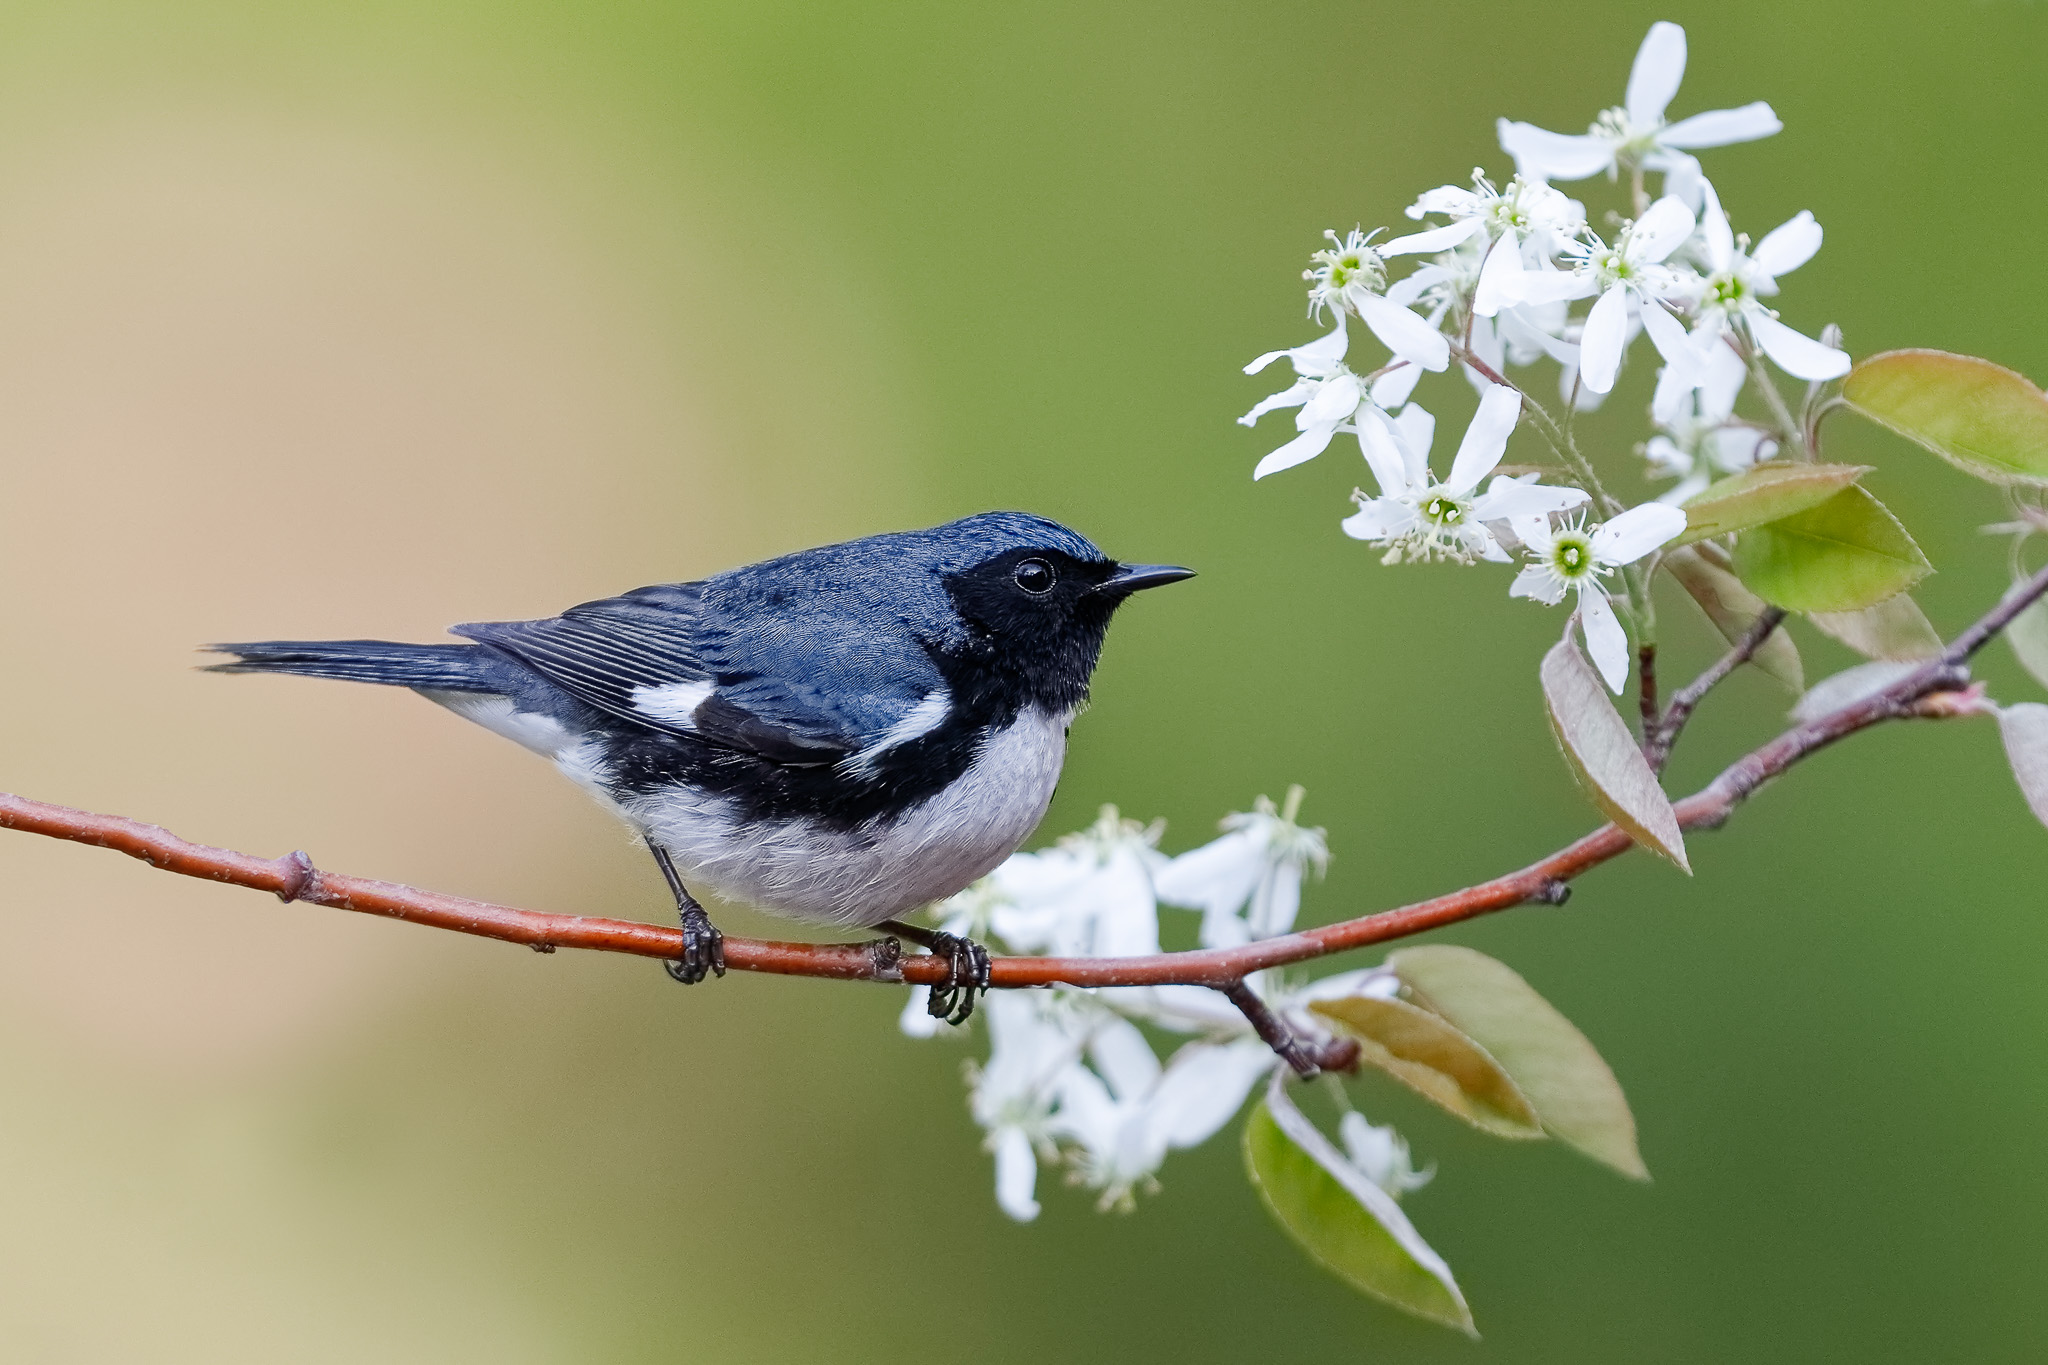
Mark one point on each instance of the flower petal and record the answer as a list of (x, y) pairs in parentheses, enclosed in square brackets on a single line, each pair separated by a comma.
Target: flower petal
[(1486, 439), (1722, 375), (1714, 229), (1517, 326), (1636, 532), (1667, 334), (1659, 232), (1220, 874), (1796, 353), (1543, 155), (1498, 277), (1203, 1088), (1789, 245), (1406, 335), (1719, 127), (1016, 1175), (1683, 180), (1316, 358), (1301, 449), (1335, 400), (1391, 389), (1606, 641), (1534, 532), (1124, 1059), (1381, 446), (1483, 543), (1379, 519), (1538, 585), (1539, 287), (1605, 338), (1433, 239), (1416, 428), (1454, 199), (1675, 384), (1292, 397), (1407, 290), (1654, 77), (1509, 499)]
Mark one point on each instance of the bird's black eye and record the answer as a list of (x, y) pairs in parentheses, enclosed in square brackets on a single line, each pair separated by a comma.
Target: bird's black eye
[(1035, 576)]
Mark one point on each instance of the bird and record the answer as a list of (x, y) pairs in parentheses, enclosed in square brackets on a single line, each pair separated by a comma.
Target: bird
[(841, 735)]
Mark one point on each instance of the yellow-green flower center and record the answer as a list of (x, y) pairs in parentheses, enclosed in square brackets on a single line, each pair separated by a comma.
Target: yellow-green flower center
[(1443, 509), (1572, 556)]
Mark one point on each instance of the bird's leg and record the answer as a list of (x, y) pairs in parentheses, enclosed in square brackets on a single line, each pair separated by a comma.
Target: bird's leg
[(967, 968), (703, 945)]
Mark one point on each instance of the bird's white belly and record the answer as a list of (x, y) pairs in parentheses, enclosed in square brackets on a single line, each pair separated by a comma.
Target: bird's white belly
[(880, 869)]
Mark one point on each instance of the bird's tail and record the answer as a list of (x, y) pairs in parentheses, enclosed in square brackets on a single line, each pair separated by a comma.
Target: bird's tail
[(445, 668)]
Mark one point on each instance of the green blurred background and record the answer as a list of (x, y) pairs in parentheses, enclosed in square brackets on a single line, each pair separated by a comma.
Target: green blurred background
[(363, 319)]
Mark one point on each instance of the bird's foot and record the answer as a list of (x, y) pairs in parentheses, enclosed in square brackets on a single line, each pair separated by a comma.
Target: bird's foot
[(703, 948), (967, 969)]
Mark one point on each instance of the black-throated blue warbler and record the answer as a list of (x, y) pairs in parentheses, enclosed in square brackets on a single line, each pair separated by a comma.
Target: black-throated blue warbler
[(840, 735)]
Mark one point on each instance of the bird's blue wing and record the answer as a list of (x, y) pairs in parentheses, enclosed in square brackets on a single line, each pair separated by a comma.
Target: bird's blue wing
[(664, 658)]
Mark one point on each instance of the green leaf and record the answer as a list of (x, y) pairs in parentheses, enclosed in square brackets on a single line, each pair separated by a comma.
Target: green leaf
[(1351, 1226), (2028, 636), (1426, 1053), (1844, 554), (1733, 609), (1895, 630), (1571, 1089), (1983, 418), (1603, 754), (1763, 493), (2024, 728)]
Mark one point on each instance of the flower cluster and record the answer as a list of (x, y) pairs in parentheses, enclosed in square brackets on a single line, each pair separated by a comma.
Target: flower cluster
[(1073, 1075), (1503, 271)]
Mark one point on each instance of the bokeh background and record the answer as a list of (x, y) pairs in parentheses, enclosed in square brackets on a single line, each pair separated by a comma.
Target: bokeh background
[(361, 319)]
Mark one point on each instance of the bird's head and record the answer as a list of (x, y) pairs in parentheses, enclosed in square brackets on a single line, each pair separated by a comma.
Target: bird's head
[(1034, 601)]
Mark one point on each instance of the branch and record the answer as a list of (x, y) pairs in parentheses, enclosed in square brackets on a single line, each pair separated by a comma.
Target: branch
[(1939, 688), (1660, 735), (1308, 1057)]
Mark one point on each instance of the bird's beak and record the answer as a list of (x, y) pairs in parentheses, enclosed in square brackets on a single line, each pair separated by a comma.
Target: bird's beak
[(1130, 578)]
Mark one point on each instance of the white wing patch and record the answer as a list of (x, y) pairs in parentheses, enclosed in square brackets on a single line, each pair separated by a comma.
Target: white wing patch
[(919, 721), (673, 703)]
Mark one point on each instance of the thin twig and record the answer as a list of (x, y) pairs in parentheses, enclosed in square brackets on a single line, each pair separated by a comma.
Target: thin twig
[(1789, 428), (1646, 674), (1309, 1057), (1659, 735), (1936, 689)]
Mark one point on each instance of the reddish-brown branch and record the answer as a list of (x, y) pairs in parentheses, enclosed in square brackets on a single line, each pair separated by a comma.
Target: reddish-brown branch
[(1938, 688)]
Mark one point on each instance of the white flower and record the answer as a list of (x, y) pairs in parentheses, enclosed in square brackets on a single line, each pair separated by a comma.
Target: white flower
[(1420, 519), (1529, 215), (1696, 449), (1247, 884), (1571, 557), (1349, 276), (1634, 134), (1708, 385), (1327, 393), (1089, 896), (1729, 297), (1633, 268), (1381, 1155), (1125, 1120), (1032, 1045)]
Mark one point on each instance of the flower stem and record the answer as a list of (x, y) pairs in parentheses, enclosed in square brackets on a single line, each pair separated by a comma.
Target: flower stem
[(1788, 427)]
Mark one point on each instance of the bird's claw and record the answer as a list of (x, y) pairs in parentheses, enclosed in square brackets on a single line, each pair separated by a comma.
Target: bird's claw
[(967, 971), (703, 949)]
